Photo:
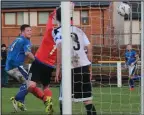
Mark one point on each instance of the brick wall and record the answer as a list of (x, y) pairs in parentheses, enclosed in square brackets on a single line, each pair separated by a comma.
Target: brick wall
[(100, 24)]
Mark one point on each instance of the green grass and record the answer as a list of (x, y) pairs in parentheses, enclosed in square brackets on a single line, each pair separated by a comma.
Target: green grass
[(107, 101)]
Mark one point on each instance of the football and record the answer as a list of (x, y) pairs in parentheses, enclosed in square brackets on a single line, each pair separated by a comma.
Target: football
[(123, 9)]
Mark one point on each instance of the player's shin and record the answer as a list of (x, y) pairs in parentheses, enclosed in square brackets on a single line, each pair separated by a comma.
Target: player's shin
[(90, 108), (35, 90), (47, 91), (131, 83), (20, 96)]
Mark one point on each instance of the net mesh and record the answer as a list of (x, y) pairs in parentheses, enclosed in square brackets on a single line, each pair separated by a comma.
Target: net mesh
[(109, 33)]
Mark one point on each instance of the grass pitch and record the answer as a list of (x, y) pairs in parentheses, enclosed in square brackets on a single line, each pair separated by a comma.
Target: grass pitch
[(107, 100)]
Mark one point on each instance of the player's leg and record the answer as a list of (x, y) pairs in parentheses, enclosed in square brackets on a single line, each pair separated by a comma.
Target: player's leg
[(83, 89), (34, 77), (136, 77), (18, 100), (131, 76), (46, 75)]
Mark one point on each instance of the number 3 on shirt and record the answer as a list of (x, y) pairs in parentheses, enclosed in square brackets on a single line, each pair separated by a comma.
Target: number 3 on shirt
[(75, 38)]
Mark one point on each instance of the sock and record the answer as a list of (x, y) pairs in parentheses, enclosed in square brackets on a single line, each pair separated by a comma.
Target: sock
[(60, 107), (90, 109), (37, 92), (20, 96), (136, 77), (47, 93), (131, 83)]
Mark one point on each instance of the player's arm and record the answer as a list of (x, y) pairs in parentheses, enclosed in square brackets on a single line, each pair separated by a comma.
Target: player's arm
[(27, 50), (137, 57), (89, 52), (57, 39), (30, 55), (58, 64), (88, 48)]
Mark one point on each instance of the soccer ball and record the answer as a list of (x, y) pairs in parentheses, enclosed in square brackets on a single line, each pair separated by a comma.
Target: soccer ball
[(123, 9)]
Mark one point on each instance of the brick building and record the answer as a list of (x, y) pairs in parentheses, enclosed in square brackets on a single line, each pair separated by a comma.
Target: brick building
[(95, 18)]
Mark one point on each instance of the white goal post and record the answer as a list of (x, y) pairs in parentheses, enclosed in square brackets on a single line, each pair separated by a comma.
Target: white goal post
[(66, 58), (142, 58), (119, 69)]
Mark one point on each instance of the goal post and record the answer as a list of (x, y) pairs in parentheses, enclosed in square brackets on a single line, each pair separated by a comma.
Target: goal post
[(142, 58), (66, 58)]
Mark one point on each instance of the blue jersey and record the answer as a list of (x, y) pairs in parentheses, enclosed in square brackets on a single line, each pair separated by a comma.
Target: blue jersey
[(130, 57), (16, 53)]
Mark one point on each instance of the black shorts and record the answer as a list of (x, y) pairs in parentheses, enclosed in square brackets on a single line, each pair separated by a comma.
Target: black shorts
[(41, 73), (81, 84)]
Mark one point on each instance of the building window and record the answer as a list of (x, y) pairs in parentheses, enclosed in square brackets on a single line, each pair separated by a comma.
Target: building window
[(14, 19), (76, 18), (139, 25), (20, 18), (84, 18), (42, 18)]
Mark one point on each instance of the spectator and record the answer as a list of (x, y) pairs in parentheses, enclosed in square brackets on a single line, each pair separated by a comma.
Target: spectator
[(4, 76)]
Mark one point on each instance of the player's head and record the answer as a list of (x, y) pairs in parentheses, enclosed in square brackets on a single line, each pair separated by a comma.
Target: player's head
[(129, 47), (58, 13), (26, 31)]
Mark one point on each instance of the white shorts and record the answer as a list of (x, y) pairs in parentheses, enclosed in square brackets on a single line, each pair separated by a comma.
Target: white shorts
[(132, 69), (19, 74)]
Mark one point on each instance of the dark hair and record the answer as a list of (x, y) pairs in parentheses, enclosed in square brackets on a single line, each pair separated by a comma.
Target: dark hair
[(3, 45), (22, 28), (58, 14)]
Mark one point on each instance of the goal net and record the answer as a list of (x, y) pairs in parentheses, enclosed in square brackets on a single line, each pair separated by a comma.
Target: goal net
[(109, 34)]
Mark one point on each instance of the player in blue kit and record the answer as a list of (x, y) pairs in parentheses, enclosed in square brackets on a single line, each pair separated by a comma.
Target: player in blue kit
[(17, 51), (131, 59)]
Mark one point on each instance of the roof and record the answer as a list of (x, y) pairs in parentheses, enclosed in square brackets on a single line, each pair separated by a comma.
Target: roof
[(136, 6), (47, 4)]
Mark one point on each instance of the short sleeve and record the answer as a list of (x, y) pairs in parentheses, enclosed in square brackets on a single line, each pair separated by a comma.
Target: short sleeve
[(27, 47), (86, 40), (57, 36)]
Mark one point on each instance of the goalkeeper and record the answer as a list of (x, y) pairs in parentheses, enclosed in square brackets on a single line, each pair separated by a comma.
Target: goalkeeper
[(131, 59), (81, 62)]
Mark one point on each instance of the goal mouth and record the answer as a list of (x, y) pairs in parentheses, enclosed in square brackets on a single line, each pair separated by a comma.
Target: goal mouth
[(109, 33)]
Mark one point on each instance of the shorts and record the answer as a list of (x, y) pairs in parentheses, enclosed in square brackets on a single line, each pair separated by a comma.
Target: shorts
[(40, 73), (81, 84), (132, 69), (19, 73)]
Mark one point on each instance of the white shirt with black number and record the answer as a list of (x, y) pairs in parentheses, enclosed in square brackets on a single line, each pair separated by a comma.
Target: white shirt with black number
[(79, 40)]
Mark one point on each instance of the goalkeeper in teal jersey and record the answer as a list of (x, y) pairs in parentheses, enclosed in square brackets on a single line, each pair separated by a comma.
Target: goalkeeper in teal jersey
[(131, 59)]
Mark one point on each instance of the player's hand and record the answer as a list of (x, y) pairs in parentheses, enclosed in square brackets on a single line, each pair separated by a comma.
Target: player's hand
[(132, 64), (58, 75), (56, 79)]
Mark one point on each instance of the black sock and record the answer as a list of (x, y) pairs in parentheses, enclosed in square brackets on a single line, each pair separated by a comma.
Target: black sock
[(60, 107), (90, 109)]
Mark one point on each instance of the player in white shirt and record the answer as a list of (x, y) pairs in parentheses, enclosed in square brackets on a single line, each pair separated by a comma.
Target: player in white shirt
[(80, 64)]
